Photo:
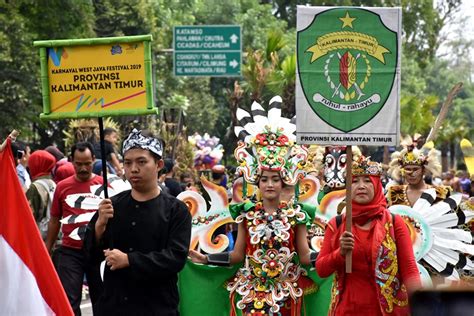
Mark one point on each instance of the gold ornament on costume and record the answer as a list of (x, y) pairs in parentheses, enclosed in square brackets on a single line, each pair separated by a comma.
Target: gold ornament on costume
[(413, 158), (365, 167), (411, 155)]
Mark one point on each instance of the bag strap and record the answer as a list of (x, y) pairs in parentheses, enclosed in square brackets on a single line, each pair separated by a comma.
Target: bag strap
[(49, 189), (338, 220)]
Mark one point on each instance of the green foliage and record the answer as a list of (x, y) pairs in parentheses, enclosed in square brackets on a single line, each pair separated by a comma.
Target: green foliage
[(269, 40), (202, 114), (119, 18), (456, 126), (284, 76), (257, 22), (417, 114), (19, 89)]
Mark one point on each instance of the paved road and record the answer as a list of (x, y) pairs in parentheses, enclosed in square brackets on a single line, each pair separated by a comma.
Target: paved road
[(86, 307)]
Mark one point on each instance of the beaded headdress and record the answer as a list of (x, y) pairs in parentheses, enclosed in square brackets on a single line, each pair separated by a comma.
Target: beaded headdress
[(363, 166), (410, 155), (268, 143)]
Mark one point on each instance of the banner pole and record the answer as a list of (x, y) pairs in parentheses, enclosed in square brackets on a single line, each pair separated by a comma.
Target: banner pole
[(104, 172), (349, 203)]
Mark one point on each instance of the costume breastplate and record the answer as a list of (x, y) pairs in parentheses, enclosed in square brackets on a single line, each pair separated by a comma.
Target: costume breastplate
[(270, 274)]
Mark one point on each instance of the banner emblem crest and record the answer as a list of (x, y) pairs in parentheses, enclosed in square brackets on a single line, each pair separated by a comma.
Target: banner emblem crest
[(347, 61)]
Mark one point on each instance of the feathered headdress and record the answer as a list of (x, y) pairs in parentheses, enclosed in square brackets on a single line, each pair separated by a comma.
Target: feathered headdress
[(410, 155), (268, 143)]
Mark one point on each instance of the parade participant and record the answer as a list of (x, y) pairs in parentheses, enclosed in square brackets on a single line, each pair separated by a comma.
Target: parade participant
[(384, 269), (41, 191), (271, 232), (113, 163), (413, 164), (59, 156), (187, 181), (64, 171), (150, 233), (69, 258), (171, 183), (218, 175), (440, 230), (22, 153)]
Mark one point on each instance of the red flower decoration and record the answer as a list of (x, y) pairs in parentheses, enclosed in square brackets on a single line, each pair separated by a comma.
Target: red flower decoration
[(282, 139)]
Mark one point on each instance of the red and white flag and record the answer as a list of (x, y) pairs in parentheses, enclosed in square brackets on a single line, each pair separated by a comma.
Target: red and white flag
[(29, 284)]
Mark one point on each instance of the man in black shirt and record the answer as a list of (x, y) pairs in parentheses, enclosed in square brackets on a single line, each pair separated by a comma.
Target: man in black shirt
[(150, 233), (110, 139), (174, 187)]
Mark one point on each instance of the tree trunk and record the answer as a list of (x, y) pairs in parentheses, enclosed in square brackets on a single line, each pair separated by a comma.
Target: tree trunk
[(444, 157), (452, 156), (386, 155)]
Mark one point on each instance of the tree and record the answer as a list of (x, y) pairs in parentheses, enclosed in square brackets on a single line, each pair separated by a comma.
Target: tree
[(22, 22), (422, 22), (18, 80)]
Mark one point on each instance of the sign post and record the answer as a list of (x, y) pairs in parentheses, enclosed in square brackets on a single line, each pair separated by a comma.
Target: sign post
[(96, 77), (207, 50)]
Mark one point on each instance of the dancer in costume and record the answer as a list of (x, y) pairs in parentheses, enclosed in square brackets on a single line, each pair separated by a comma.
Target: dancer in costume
[(272, 233), (441, 239), (412, 164), (384, 269)]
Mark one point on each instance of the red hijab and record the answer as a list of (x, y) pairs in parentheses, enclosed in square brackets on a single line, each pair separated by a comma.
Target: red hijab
[(41, 163), (64, 171), (361, 213)]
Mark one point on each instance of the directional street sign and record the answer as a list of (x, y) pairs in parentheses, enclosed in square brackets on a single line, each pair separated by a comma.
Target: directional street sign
[(207, 50)]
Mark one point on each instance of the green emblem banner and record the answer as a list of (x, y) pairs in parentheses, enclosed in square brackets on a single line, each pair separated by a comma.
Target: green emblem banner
[(348, 75)]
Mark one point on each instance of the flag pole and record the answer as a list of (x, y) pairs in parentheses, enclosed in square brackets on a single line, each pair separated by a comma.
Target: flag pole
[(103, 158), (349, 204)]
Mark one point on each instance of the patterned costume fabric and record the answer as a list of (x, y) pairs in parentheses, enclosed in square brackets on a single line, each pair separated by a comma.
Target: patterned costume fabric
[(271, 279), (383, 260), (397, 194), (390, 291), (136, 140)]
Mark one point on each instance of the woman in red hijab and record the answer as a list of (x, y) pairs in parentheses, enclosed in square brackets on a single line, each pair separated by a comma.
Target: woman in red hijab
[(41, 163), (384, 269)]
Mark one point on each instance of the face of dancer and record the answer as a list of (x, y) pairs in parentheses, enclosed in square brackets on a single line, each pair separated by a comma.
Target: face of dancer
[(270, 185), (82, 162), (141, 169), (362, 190), (413, 174)]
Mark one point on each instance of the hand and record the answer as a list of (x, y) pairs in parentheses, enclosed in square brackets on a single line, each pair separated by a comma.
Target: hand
[(116, 259), (197, 257), (106, 211), (346, 242)]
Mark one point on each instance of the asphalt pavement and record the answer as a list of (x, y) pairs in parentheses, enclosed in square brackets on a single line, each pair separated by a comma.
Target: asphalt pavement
[(86, 306)]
